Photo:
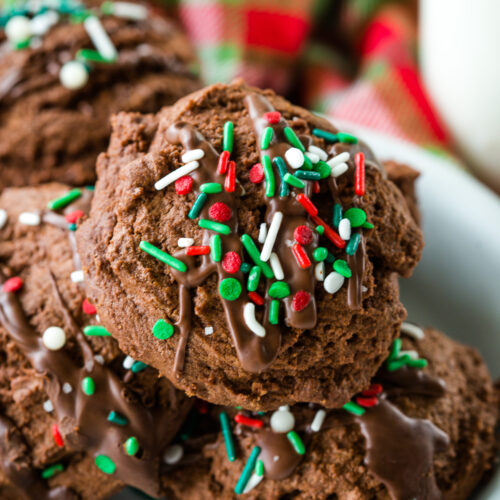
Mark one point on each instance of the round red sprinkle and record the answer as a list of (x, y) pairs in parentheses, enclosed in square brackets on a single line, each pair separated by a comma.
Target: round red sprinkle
[(300, 300), (272, 117), (12, 284), (220, 212), (88, 308), (231, 262), (303, 235), (72, 217), (184, 184), (256, 174), (57, 436)]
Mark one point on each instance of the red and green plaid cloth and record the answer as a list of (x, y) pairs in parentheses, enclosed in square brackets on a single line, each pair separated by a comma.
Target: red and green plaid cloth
[(353, 60)]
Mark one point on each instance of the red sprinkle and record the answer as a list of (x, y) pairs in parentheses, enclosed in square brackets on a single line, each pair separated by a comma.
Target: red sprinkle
[(303, 235), (230, 180), (301, 256), (201, 406), (88, 308), (231, 262), (57, 436), (184, 184), (373, 390), (201, 250), (272, 117), (72, 217), (329, 232), (250, 422), (223, 161), (359, 174), (220, 212), (300, 300), (307, 204), (367, 402), (316, 187), (12, 284), (255, 297), (256, 174)]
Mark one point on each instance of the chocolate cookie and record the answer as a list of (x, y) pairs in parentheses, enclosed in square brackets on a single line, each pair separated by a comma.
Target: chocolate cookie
[(424, 429), (277, 282), (58, 87), (67, 393)]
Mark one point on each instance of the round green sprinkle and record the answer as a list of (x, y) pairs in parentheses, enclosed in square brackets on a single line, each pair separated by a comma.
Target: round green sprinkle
[(96, 331), (281, 166), (353, 243), (354, 408), (269, 175), (247, 471), (131, 446), (216, 248), (323, 134), (163, 330), (61, 202), (227, 138), (253, 278), (105, 464), (245, 267), (320, 254), (279, 290), (228, 436), (307, 164), (356, 216), (259, 468), (417, 363), (254, 253), (52, 470), (344, 137), (367, 225), (341, 266), (320, 229), (395, 349), (218, 227), (293, 181), (211, 188), (163, 256), (274, 310), (117, 418), (297, 443), (337, 215), (88, 386), (230, 289), (293, 139), (138, 366), (307, 175), (330, 258), (323, 169), (197, 205), (266, 138)]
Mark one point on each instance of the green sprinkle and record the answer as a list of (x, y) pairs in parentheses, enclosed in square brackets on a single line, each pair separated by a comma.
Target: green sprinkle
[(227, 138), (297, 443), (218, 227), (105, 463), (274, 311), (197, 205), (269, 176), (341, 266), (107, 8), (228, 436), (293, 181), (90, 188), (72, 227), (330, 258), (216, 248), (307, 164), (267, 137), (354, 408), (259, 468), (398, 363), (337, 215), (395, 349), (293, 139), (247, 471), (52, 470), (88, 386), (281, 166), (96, 331), (211, 188), (320, 254), (255, 255), (417, 363), (138, 366), (279, 290), (245, 267), (323, 169), (253, 278), (367, 225), (90, 55), (323, 134), (163, 330), (307, 175), (344, 137), (163, 256), (353, 243), (131, 446), (22, 44), (230, 289), (117, 418), (320, 229), (62, 201), (356, 216)]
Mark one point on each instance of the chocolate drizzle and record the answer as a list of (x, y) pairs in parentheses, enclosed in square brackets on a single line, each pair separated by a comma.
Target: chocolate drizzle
[(278, 455)]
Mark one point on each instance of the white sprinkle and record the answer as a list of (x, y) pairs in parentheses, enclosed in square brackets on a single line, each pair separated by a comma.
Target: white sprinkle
[(42, 23), (128, 362), (284, 407), (48, 406), (413, 354), (412, 330), (276, 266), (272, 234), (319, 271), (29, 218), (74, 75), (185, 242), (313, 157), (251, 322), (99, 359), (282, 421), (97, 318), (18, 29), (262, 233), (192, 155), (338, 170), (294, 157), (318, 151), (333, 282), (253, 482), (3, 218), (129, 10), (176, 174), (345, 229), (209, 330), (338, 159), (318, 420), (364, 289), (100, 38), (77, 276), (173, 454), (66, 388), (54, 338)]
